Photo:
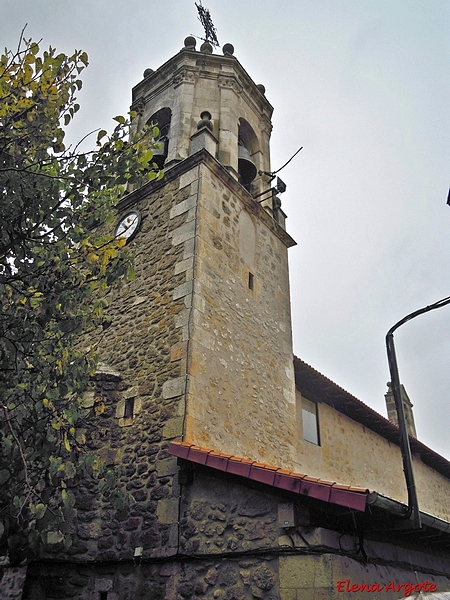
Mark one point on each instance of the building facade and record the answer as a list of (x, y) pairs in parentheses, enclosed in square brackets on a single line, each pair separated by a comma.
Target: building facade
[(251, 475)]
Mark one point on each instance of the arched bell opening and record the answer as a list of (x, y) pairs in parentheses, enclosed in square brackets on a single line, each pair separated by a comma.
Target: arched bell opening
[(161, 119), (247, 146)]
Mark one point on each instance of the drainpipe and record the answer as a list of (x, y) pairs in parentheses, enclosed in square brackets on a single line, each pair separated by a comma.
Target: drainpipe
[(413, 505)]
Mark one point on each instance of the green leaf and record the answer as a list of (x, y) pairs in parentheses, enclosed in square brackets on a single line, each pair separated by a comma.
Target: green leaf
[(40, 510), (7, 445), (5, 475), (70, 470), (68, 498), (59, 207), (101, 134), (54, 537)]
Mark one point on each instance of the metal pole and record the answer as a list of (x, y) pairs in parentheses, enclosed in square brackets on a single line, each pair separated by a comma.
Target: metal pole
[(413, 504)]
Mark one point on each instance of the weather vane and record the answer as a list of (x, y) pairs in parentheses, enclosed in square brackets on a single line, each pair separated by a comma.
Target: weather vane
[(204, 17)]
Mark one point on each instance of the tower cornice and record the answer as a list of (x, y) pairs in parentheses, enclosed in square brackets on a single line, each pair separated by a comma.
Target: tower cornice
[(204, 157), (188, 62)]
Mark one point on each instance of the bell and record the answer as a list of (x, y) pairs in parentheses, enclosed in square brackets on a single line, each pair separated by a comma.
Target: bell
[(246, 167), (160, 154)]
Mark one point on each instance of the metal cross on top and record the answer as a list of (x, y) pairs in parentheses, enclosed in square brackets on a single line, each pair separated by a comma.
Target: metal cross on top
[(205, 19)]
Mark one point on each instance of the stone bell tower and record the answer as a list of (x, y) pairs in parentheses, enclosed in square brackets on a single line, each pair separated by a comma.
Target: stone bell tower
[(215, 226), (197, 92), (200, 346)]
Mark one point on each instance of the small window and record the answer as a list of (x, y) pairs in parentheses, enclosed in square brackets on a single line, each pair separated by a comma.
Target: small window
[(310, 422), (161, 119), (129, 408), (251, 281), (103, 596)]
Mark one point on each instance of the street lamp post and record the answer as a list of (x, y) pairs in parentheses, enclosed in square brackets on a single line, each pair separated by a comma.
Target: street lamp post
[(413, 505)]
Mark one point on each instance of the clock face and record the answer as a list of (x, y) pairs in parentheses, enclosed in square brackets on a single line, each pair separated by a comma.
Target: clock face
[(128, 225)]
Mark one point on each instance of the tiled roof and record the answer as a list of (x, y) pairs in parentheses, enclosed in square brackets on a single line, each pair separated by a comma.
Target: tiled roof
[(327, 491)]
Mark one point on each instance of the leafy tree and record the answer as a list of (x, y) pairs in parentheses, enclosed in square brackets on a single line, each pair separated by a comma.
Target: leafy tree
[(55, 265)]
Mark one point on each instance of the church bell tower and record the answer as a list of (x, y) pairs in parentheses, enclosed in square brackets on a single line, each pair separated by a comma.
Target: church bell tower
[(200, 346), (210, 343)]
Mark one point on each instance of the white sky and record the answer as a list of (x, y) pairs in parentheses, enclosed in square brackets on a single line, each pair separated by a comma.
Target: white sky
[(364, 86)]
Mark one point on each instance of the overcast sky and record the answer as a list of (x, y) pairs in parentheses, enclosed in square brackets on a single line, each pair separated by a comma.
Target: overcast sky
[(364, 87)]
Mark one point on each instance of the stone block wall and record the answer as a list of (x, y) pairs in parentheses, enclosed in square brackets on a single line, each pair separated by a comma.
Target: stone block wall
[(244, 553), (241, 397), (232, 547), (143, 359), (235, 529), (146, 346), (333, 577), (11, 581), (219, 518), (148, 355)]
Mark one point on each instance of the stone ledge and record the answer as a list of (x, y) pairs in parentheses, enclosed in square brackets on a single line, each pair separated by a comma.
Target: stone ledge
[(174, 387), (184, 265), (173, 428), (167, 511), (183, 206), (183, 233), (182, 290)]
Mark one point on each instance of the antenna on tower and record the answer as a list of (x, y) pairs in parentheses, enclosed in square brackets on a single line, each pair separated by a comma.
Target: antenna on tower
[(204, 17), (272, 174)]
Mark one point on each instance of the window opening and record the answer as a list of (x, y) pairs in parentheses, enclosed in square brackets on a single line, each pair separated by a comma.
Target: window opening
[(129, 408), (247, 146), (162, 120), (251, 281), (310, 422), (103, 596)]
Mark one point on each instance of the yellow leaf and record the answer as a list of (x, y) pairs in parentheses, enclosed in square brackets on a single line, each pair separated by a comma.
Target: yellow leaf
[(99, 409), (92, 257)]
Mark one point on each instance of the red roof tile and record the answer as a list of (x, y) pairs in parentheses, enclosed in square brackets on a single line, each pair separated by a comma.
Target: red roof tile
[(327, 491)]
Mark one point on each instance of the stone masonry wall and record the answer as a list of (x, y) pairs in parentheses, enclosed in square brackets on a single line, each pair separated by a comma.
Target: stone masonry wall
[(146, 345), (143, 359), (257, 558), (145, 354), (238, 526), (241, 397), (232, 547)]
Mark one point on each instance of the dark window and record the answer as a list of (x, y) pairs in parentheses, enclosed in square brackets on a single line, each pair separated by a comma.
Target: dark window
[(247, 147), (103, 596), (129, 408), (251, 281), (161, 119), (310, 422)]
